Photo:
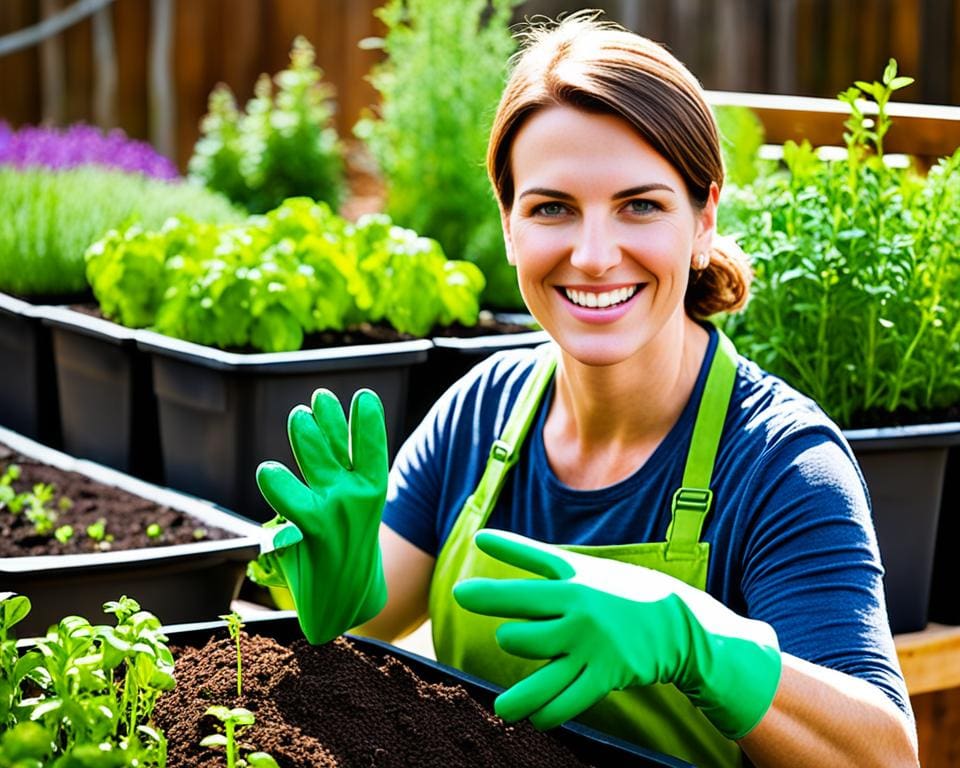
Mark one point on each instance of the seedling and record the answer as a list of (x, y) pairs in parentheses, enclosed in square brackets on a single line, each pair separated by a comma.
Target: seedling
[(98, 532), (7, 494), (63, 534), (234, 721), (199, 534), (154, 531), (92, 690), (234, 625)]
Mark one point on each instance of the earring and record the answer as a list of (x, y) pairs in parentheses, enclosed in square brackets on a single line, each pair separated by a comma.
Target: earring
[(701, 261)]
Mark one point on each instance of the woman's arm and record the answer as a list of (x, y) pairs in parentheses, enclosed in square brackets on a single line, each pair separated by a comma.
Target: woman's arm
[(408, 570), (823, 717)]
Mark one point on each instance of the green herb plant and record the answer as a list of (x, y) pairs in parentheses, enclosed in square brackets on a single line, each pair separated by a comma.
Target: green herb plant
[(97, 531), (283, 145), (84, 694), (234, 721), (49, 218), (856, 297), (439, 85), (297, 270)]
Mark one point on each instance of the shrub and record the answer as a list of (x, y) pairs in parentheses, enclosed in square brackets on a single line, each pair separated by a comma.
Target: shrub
[(49, 218), (439, 88), (283, 145)]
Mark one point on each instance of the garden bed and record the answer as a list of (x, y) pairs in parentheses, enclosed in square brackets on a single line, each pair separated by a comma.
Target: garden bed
[(182, 557), (357, 702)]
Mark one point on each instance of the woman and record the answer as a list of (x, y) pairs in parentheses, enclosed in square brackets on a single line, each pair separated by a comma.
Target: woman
[(718, 589)]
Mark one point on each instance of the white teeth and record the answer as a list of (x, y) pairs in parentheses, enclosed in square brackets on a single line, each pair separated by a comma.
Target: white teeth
[(605, 299)]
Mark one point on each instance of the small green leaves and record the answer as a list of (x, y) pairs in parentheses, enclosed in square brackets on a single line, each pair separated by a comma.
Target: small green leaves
[(860, 245), (234, 720), (234, 625), (154, 531)]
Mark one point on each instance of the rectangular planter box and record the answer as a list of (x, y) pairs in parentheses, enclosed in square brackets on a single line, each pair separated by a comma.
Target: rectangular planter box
[(180, 583), (449, 359), (905, 468), (222, 413), (108, 412), (591, 746), (28, 386), (944, 599)]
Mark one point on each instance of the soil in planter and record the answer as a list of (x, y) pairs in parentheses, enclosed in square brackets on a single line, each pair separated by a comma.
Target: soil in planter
[(127, 515), (334, 705)]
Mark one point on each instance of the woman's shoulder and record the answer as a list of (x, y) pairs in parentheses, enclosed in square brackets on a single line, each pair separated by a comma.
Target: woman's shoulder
[(765, 403)]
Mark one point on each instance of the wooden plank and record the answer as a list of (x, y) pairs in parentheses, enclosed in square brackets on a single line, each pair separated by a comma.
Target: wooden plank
[(52, 71), (132, 23), (924, 130), (938, 727), (190, 74), (905, 42), (930, 659), (78, 46), (105, 69), (20, 98)]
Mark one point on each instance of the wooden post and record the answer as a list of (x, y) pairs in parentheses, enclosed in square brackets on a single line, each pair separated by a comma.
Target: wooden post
[(105, 69), (162, 102), (52, 71)]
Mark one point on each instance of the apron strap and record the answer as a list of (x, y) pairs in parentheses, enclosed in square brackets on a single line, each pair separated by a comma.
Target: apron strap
[(692, 500), (506, 450)]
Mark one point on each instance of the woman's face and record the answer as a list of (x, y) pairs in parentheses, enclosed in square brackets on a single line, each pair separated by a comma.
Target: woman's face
[(602, 232)]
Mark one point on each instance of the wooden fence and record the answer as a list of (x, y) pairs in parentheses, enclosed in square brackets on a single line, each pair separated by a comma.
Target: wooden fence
[(114, 69)]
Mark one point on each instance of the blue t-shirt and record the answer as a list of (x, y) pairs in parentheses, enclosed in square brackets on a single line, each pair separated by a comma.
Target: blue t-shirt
[(791, 537)]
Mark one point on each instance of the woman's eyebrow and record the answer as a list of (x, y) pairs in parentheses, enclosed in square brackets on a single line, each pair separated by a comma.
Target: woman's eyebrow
[(631, 192), (545, 192), (642, 189)]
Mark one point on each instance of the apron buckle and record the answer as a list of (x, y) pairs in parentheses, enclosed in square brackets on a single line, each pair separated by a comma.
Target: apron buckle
[(501, 451)]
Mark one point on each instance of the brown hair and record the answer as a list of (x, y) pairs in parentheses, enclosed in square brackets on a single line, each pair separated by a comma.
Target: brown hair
[(598, 66)]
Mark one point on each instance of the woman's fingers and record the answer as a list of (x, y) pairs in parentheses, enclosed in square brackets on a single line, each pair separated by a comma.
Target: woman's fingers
[(576, 698), (538, 689)]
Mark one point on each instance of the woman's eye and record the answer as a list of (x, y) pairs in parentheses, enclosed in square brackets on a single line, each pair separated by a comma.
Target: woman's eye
[(642, 206), (550, 209)]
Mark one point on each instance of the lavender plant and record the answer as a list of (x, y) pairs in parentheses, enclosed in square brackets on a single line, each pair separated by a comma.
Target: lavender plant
[(62, 148)]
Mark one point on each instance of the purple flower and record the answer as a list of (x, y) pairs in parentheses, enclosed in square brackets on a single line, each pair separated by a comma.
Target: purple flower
[(81, 145)]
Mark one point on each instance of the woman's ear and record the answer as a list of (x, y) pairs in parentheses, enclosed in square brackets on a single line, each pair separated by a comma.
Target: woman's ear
[(507, 241), (707, 221)]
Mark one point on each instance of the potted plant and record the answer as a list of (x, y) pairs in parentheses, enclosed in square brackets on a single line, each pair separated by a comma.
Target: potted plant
[(856, 302), (75, 534), (51, 176), (245, 321)]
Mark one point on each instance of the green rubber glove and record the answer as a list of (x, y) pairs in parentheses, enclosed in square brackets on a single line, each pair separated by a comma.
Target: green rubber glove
[(607, 625), (335, 572)]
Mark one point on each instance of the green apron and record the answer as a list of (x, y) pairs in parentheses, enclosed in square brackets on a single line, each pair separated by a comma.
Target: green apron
[(657, 717)]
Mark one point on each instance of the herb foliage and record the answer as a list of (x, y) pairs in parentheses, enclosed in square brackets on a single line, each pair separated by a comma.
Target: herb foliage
[(283, 145), (49, 218), (439, 87), (856, 297), (84, 694), (265, 284)]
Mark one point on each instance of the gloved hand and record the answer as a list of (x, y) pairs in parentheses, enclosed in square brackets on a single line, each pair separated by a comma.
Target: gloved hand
[(607, 625), (335, 572)]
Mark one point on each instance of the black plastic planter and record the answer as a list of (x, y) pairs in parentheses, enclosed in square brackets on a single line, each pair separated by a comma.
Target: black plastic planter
[(222, 413), (180, 583), (944, 595), (108, 411), (449, 359), (904, 468), (591, 746), (28, 385)]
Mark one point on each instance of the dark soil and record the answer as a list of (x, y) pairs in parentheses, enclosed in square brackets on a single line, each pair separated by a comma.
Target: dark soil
[(127, 515), (334, 705)]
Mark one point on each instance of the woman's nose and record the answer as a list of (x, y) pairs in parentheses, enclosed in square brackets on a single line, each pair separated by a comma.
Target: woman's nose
[(596, 250)]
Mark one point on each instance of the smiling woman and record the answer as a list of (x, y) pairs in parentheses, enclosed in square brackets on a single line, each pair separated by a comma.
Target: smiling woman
[(684, 538)]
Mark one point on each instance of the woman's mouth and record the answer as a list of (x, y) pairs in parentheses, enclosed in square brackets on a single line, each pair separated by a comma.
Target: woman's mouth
[(600, 299)]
